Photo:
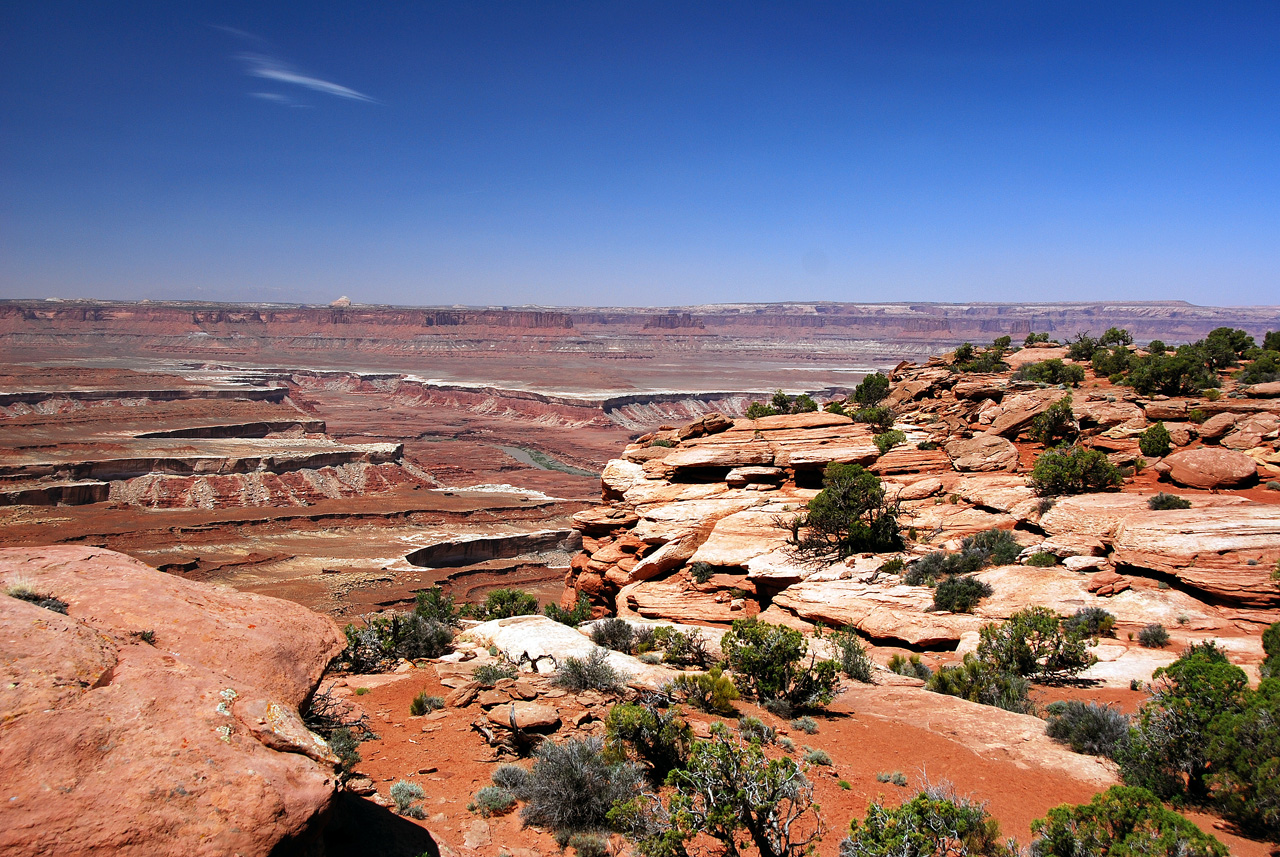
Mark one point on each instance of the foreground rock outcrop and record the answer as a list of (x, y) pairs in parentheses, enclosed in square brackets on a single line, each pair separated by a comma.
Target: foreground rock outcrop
[(158, 716)]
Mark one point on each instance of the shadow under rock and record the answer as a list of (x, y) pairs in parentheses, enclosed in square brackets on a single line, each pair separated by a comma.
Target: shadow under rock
[(357, 827)]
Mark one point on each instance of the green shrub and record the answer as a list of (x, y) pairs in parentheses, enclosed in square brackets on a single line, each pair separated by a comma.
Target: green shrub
[(1033, 338), (779, 708), (807, 725), (851, 514), (934, 823), (588, 844), (424, 703), (1153, 636), (755, 729), (1271, 646), (1052, 371), (686, 650), (616, 634), (711, 691), (1155, 441), (1087, 727), (590, 673), (644, 732), (513, 778), (960, 593), (1075, 470), (490, 674), (1244, 756), (1167, 750), (814, 756), (756, 410), (878, 417), (491, 801), (853, 658), (504, 603), (579, 613), (572, 786), (769, 661), (888, 440), (662, 443), (1033, 644), (1090, 622), (1042, 559), (872, 389), (434, 604), (1120, 821), (896, 777), (701, 571), (1164, 502), (927, 445), (804, 404), (381, 640), (980, 681), (406, 796), (989, 547), (1055, 424), (910, 666), (23, 590)]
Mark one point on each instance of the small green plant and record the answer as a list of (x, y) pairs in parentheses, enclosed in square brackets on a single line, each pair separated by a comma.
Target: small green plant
[(24, 590), (434, 604), (1155, 441), (934, 822), (1090, 728), (148, 637), (491, 801), (1073, 470), (1055, 424), (487, 675), (1197, 416), (504, 603), (513, 778), (814, 756), (927, 445), (872, 389), (1135, 683), (844, 784), (1090, 622), (755, 729), (590, 673), (787, 744), (424, 703), (1183, 618), (779, 708), (886, 441), (575, 616), (712, 691), (1164, 502), (616, 634), (1042, 559), (701, 571), (770, 662), (878, 417), (1121, 820), (807, 725), (588, 844), (912, 666), (1033, 644), (852, 655), (960, 593), (1153, 636), (662, 442), (406, 796), (651, 736), (1273, 485), (896, 777), (361, 691)]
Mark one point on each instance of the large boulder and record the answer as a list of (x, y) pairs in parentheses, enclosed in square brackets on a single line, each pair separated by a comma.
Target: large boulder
[(189, 743), (1208, 468), (984, 452)]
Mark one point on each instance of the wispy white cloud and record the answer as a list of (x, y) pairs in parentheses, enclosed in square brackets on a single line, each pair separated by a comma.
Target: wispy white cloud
[(262, 64), (270, 68)]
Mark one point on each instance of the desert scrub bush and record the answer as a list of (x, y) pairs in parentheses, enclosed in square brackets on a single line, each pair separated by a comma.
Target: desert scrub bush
[(886, 441), (814, 756), (573, 617), (662, 443), (878, 417), (755, 729), (1244, 757), (616, 634), (1032, 643), (1121, 821), (769, 661), (807, 725), (981, 681), (1052, 371), (586, 844), (933, 823), (434, 604), (1042, 559), (1090, 622), (1271, 647), (1273, 485), (340, 724), (1055, 424), (1153, 636), (701, 572), (1155, 441), (960, 593), (756, 410), (572, 786), (713, 691), (1090, 728), (424, 703), (406, 796), (852, 655), (487, 675), (851, 514), (590, 673), (872, 389), (731, 792), (381, 640), (896, 777), (513, 778), (1163, 502), (651, 736), (23, 590), (1073, 470), (686, 650), (910, 666), (787, 744), (986, 548), (505, 603), (779, 708), (491, 801)]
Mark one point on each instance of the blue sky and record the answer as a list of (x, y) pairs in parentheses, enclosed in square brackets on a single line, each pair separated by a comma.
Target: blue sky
[(641, 153)]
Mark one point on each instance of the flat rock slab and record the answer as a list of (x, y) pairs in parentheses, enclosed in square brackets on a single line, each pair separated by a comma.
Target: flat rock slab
[(1210, 468), (983, 452), (192, 745)]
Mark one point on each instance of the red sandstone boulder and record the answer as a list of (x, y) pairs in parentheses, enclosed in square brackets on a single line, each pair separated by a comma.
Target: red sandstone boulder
[(1209, 468), (190, 745), (983, 453)]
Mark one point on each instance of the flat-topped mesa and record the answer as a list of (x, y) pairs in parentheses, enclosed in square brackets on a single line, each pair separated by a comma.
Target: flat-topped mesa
[(697, 527)]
